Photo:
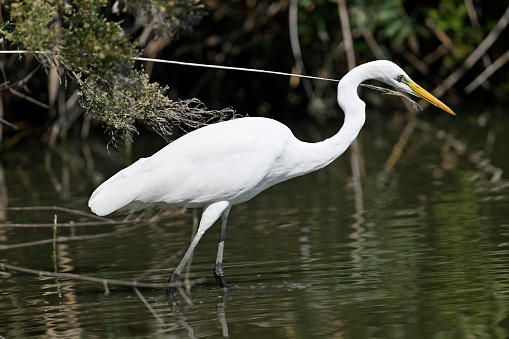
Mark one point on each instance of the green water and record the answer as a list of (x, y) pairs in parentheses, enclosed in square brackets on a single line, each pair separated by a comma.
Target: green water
[(425, 255)]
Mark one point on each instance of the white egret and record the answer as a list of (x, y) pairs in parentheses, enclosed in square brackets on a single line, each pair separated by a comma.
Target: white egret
[(230, 162)]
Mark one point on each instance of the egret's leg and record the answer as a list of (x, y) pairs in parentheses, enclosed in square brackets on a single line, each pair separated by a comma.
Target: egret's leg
[(218, 269), (210, 214), (196, 220)]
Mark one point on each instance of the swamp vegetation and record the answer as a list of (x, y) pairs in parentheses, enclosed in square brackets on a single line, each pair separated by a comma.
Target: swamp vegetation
[(78, 59), (405, 234)]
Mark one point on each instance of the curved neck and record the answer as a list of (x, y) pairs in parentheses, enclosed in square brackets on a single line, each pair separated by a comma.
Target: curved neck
[(320, 154)]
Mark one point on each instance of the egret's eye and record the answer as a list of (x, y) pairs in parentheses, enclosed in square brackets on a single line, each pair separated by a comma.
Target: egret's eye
[(401, 77)]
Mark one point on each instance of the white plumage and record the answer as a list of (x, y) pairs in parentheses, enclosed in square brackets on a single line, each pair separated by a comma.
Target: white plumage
[(210, 164), (230, 162)]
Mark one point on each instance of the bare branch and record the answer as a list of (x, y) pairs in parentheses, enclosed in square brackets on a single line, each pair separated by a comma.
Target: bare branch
[(69, 238), (295, 43), (475, 56), (147, 304), (105, 282), (5, 122), (58, 208), (489, 71)]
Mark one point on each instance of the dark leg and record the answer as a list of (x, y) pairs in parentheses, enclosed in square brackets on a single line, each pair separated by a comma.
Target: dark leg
[(219, 275), (210, 214), (196, 222), (170, 291), (218, 269)]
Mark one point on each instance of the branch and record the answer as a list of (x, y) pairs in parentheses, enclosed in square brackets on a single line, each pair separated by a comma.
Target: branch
[(104, 282), (294, 42), (475, 56), (347, 34), (58, 208), (68, 238), (489, 71), (10, 124)]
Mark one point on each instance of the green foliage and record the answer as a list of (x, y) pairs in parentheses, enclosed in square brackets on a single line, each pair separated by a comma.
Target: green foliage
[(395, 20), (127, 97), (450, 17), (389, 17), (400, 24), (76, 33), (88, 40), (6, 29)]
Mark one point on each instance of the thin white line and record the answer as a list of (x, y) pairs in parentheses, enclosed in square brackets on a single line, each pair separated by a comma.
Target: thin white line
[(231, 68), (24, 52), (195, 65)]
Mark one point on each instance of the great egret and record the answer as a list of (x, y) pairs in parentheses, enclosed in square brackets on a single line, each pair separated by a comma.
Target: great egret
[(230, 162)]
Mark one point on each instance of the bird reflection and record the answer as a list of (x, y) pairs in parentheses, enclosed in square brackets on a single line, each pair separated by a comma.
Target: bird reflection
[(181, 318)]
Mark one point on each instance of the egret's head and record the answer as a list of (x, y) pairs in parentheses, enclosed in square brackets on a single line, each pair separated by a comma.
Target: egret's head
[(393, 75)]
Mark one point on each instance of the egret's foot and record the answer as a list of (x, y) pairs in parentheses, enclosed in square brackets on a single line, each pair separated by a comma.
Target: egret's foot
[(170, 291), (219, 275)]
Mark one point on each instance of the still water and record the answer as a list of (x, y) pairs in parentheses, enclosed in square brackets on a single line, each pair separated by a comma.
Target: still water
[(421, 251)]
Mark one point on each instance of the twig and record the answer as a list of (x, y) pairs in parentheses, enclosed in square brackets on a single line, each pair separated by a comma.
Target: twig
[(70, 224), (434, 55), (489, 71), (183, 293), (472, 14), (58, 208), (105, 282), (347, 34), (397, 150), (147, 304), (294, 41), (68, 238), (7, 84), (26, 97), (10, 124), (372, 44), (416, 62), (475, 56), (444, 39)]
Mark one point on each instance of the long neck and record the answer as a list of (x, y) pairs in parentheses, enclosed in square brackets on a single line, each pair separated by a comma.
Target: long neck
[(318, 155)]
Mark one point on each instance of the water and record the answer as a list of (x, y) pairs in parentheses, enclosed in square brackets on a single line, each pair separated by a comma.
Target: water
[(425, 255)]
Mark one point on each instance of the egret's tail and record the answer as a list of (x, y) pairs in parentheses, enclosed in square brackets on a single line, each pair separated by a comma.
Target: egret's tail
[(118, 192)]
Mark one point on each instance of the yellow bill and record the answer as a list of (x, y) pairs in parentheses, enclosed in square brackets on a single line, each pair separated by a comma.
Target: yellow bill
[(421, 92)]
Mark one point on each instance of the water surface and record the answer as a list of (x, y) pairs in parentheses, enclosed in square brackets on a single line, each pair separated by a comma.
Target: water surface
[(422, 254)]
